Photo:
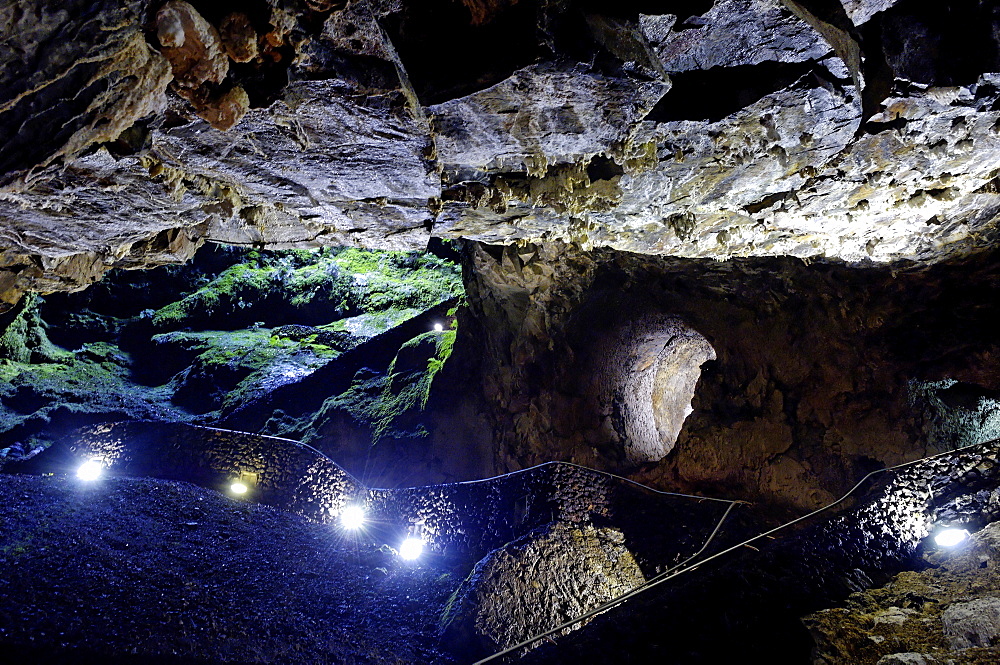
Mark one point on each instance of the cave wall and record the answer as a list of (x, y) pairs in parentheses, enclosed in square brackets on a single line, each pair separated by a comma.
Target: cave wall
[(755, 596), (946, 612), (822, 372), (136, 131)]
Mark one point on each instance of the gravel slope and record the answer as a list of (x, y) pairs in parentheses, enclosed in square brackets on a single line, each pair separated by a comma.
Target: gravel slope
[(138, 570)]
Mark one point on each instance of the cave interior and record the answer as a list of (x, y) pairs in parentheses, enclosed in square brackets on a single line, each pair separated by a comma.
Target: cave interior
[(495, 331)]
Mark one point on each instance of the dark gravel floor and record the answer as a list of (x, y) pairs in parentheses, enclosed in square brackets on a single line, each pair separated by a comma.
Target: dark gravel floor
[(130, 570)]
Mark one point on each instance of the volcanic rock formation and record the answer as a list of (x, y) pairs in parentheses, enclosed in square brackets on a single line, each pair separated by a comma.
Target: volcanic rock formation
[(133, 132), (739, 247)]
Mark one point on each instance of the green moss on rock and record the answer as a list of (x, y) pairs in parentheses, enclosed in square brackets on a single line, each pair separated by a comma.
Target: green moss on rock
[(220, 333), (309, 288), (390, 403), (22, 334), (223, 367)]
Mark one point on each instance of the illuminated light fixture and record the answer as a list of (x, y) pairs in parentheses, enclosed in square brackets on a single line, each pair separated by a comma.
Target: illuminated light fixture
[(950, 537), (238, 488), (438, 327), (90, 470), (352, 517), (411, 548)]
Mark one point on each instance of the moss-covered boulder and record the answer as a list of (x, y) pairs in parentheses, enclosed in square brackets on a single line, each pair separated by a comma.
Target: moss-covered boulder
[(22, 334), (197, 341), (313, 288), (388, 403)]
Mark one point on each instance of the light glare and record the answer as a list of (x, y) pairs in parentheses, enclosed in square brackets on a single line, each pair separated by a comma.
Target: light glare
[(90, 470), (238, 488), (438, 327), (411, 548), (352, 517), (950, 537)]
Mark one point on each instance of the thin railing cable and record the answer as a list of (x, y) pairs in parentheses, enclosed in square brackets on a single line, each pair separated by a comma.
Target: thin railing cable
[(614, 601), (300, 444), (663, 577), (598, 472), (481, 480)]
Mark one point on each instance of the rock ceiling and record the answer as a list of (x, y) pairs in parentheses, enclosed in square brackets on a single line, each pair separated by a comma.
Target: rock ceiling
[(132, 132)]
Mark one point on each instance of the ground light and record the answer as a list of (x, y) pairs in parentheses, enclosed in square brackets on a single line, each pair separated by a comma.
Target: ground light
[(438, 327), (950, 537), (352, 517), (238, 488), (90, 470), (411, 548)]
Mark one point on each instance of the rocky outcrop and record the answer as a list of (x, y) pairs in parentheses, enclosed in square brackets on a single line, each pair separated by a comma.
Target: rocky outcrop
[(859, 131), (757, 598), (821, 374), (235, 337), (536, 583), (326, 160), (946, 613), (198, 59)]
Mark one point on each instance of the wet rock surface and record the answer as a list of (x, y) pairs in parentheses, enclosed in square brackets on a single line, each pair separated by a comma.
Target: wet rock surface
[(224, 340), (759, 597), (278, 472), (536, 583)]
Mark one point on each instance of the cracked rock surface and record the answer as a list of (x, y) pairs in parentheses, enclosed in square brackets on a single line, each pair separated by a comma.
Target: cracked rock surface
[(859, 131)]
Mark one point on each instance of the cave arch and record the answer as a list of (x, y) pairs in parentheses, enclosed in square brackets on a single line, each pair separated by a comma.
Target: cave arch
[(644, 367)]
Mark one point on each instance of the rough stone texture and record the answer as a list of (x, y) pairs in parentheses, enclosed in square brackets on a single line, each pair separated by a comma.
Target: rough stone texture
[(94, 231), (330, 180), (157, 571), (74, 74), (733, 33), (473, 518), (238, 37), (463, 521), (860, 11), (192, 46), (277, 471), (340, 156), (611, 517), (550, 522), (538, 582), (447, 453), (822, 373), (907, 658), (647, 370), (757, 599), (974, 623), (861, 131), (945, 613), (541, 116)]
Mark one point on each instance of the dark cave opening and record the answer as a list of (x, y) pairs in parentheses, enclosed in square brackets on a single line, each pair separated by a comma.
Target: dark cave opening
[(428, 37), (721, 91), (948, 45)]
